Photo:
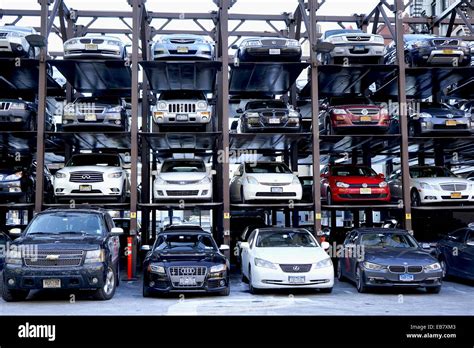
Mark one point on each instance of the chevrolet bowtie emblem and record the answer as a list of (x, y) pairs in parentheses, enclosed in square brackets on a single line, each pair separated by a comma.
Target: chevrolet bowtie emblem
[(52, 257)]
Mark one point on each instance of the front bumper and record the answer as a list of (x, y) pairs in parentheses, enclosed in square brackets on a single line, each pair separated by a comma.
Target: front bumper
[(355, 195), (12, 49), (102, 51), (447, 56), (163, 284), (352, 50), (428, 196), (29, 278), (196, 51), (265, 192), (266, 278), (260, 126), (110, 120), (163, 117), (434, 125), (178, 192), (346, 124), (109, 188), (386, 278), (13, 119), (292, 54)]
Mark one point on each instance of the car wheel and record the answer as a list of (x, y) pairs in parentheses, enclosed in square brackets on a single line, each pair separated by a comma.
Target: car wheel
[(339, 274), (415, 198), (123, 196), (329, 197), (360, 282), (108, 290), (328, 130), (242, 197), (225, 292), (433, 289), (325, 290), (146, 291), (13, 295), (252, 289)]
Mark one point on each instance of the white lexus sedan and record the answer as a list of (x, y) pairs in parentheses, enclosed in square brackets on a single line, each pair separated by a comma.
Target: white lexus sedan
[(183, 179), (277, 257), (264, 181)]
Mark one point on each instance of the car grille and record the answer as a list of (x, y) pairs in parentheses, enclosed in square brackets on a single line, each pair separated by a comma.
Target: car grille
[(5, 105), (95, 41), (358, 38), (182, 41), (55, 258), (453, 187), (86, 177), (182, 192), (273, 42), (458, 126), (275, 183), (444, 42), (296, 268), (176, 52), (449, 197), (359, 111), (365, 186), (273, 113), (182, 107), (183, 182), (198, 273), (405, 269)]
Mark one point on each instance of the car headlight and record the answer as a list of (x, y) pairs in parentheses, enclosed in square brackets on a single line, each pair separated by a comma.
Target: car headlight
[(252, 180), (383, 184), (218, 268), (17, 106), (205, 180), (162, 106), (60, 175), (425, 115), (115, 175), (15, 176), (159, 181), (202, 105), (156, 268), (264, 263), (253, 43), (296, 180), (114, 43), (339, 111), (433, 267), (292, 43), (336, 39), (323, 263), (252, 114), (373, 266), (379, 39), (426, 186), (342, 184), (13, 257), (115, 109), (93, 256), (421, 44), (71, 42)]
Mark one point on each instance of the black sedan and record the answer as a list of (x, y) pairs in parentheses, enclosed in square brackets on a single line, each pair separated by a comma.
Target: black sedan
[(456, 253), (185, 261), (268, 49), (381, 257)]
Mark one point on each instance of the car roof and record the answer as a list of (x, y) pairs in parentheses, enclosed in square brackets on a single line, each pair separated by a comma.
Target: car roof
[(364, 230), (91, 209), (282, 229), (183, 227)]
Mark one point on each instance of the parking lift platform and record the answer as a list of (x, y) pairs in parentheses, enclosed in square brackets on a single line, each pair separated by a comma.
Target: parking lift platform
[(181, 75), (181, 142), (119, 141), (113, 77)]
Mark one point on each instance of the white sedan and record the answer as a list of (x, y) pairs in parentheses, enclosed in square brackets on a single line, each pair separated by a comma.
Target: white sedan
[(264, 181), (276, 258), (95, 47)]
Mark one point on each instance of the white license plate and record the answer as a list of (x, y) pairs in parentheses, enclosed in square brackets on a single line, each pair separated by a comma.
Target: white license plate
[(296, 279), (85, 188), (181, 117), (277, 189), (274, 51), (182, 50), (274, 120), (187, 281), (365, 191), (91, 47), (90, 117), (406, 277), (51, 283), (359, 48)]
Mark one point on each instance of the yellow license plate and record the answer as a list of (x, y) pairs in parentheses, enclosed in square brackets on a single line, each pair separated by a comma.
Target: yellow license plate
[(456, 195), (365, 191), (451, 123), (91, 47), (365, 118), (448, 51), (182, 50)]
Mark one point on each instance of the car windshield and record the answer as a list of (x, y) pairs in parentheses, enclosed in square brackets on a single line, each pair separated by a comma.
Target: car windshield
[(186, 95), (66, 223), (352, 171), (350, 101), (266, 168), (265, 104), (183, 167), (285, 239), (329, 33), (387, 240), (185, 243), (99, 100), (435, 106), (431, 172), (94, 160)]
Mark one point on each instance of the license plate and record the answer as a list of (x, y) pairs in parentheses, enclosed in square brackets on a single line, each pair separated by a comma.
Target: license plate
[(187, 281), (90, 117), (406, 277), (365, 191), (365, 118), (183, 50), (448, 51), (91, 47), (182, 117), (451, 123), (296, 279), (456, 195), (277, 189), (274, 51), (359, 48), (51, 283), (85, 188), (274, 120)]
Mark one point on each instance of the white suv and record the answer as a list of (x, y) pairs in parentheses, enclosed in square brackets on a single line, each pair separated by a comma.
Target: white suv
[(183, 179), (92, 176), (264, 181)]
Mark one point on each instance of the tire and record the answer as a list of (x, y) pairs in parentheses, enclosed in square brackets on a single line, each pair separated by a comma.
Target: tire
[(225, 292), (123, 196), (325, 290), (14, 295), (242, 197), (329, 197), (415, 198), (253, 290), (328, 129), (108, 290), (339, 274), (360, 282), (146, 291), (433, 289)]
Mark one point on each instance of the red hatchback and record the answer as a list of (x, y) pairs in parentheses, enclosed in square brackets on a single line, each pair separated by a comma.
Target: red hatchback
[(353, 183)]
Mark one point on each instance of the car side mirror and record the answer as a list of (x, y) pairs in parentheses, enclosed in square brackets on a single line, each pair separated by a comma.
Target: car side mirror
[(116, 231), (15, 231), (224, 247), (381, 176), (425, 246), (233, 125), (234, 47), (239, 111), (325, 245), (145, 248), (155, 172), (323, 47), (244, 245), (213, 172), (324, 175)]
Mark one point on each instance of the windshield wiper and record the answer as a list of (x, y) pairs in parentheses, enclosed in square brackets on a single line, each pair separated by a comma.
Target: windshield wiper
[(39, 232)]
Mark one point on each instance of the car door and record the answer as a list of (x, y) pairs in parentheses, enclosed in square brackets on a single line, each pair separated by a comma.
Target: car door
[(451, 247), (113, 242), (395, 184), (246, 257), (351, 254), (466, 255)]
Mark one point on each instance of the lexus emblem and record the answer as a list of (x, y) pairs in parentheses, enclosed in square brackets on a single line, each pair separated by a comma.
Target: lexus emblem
[(364, 185), (365, 112), (86, 177), (296, 268)]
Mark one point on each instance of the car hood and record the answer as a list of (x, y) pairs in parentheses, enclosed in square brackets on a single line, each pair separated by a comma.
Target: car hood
[(273, 178), (398, 256), (90, 168), (166, 257), (183, 176), (442, 180), (438, 112), (291, 255), (52, 242)]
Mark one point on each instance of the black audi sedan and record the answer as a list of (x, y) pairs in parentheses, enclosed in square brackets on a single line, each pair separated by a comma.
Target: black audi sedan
[(456, 253), (382, 257), (267, 49), (185, 260)]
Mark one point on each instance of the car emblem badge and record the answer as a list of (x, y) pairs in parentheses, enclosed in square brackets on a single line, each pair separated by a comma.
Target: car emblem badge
[(52, 257), (365, 112), (86, 177), (449, 115), (358, 38), (296, 268), (364, 185), (274, 42)]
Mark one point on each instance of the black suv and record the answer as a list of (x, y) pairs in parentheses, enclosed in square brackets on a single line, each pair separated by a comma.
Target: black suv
[(21, 115), (185, 260), (64, 249)]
